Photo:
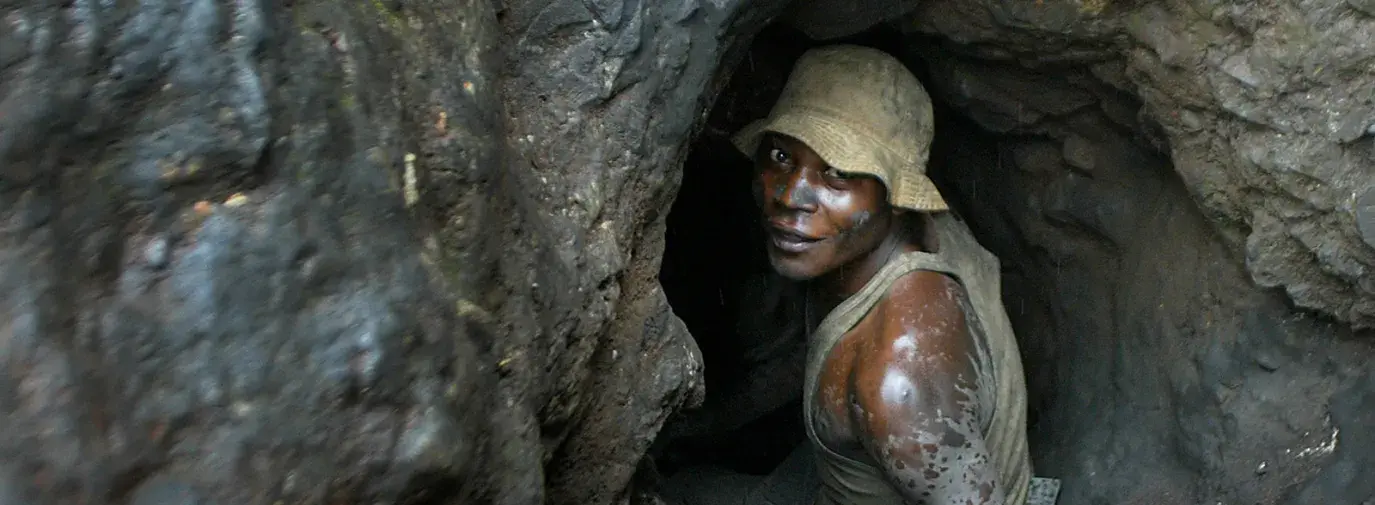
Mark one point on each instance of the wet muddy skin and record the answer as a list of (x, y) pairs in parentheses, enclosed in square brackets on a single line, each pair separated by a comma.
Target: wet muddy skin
[(899, 389), (823, 216)]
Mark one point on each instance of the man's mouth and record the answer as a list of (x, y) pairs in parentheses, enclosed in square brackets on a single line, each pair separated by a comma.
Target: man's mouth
[(790, 241)]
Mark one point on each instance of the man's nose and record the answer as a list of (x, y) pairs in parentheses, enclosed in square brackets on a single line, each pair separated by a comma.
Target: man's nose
[(798, 192)]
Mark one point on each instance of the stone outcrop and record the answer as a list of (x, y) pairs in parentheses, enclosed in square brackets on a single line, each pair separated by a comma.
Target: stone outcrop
[(319, 252), (1263, 107), (602, 98), (216, 280), (1160, 373), (395, 251)]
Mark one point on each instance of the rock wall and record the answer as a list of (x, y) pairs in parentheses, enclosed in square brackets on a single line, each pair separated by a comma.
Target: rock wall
[(1162, 369), (603, 98), (1263, 107), (348, 253), (213, 291), (1159, 372)]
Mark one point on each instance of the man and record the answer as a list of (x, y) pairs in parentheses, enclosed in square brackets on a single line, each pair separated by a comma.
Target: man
[(914, 390)]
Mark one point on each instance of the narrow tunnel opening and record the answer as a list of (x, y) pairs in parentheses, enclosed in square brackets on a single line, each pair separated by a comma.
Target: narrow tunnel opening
[(1059, 173), (717, 277), (714, 252)]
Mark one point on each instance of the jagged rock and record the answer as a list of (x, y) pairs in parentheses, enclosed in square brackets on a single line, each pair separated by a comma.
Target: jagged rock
[(165, 491), (1223, 84), (1365, 216), (1142, 335), (1079, 153), (213, 291), (1365, 6)]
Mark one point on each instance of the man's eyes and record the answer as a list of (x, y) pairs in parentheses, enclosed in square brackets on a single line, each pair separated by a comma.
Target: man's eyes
[(778, 155)]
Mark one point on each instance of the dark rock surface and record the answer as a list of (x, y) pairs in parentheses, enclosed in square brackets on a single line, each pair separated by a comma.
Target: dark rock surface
[(602, 97), (1163, 370), (1262, 107), (394, 251), (299, 251), (212, 289), (1159, 372)]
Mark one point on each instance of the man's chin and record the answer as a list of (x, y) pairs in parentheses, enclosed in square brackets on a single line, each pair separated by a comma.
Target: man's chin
[(793, 269)]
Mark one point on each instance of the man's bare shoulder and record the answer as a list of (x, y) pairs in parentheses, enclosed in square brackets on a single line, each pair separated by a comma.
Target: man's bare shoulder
[(915, 392), (918, 335), (923, 317)]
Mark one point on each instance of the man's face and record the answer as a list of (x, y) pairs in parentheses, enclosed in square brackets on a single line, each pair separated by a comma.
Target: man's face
[(817, 218)]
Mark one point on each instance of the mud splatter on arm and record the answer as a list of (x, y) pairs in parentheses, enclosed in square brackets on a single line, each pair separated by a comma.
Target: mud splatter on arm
[(914, 398)]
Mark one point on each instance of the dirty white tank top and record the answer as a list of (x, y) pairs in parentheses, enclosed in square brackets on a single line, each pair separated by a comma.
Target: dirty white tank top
[(1002, 390)]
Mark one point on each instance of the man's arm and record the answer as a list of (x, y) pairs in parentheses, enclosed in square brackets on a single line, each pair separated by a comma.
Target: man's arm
[(916, 397)]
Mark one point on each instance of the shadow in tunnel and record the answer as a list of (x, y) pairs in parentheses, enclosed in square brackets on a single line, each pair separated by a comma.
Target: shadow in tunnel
[(714, 251)]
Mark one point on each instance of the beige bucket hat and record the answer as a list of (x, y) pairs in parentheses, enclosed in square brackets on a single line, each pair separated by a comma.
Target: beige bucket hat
[(862, 111)]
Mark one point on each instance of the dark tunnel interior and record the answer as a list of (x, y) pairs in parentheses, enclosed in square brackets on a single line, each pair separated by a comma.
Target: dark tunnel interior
[(714, 249)]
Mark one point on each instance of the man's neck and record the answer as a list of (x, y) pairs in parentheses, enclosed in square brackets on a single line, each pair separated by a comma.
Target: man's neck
[(850, 278)]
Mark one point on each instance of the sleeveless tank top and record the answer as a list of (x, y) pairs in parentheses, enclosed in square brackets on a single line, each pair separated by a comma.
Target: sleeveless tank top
[(1002, 390)]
